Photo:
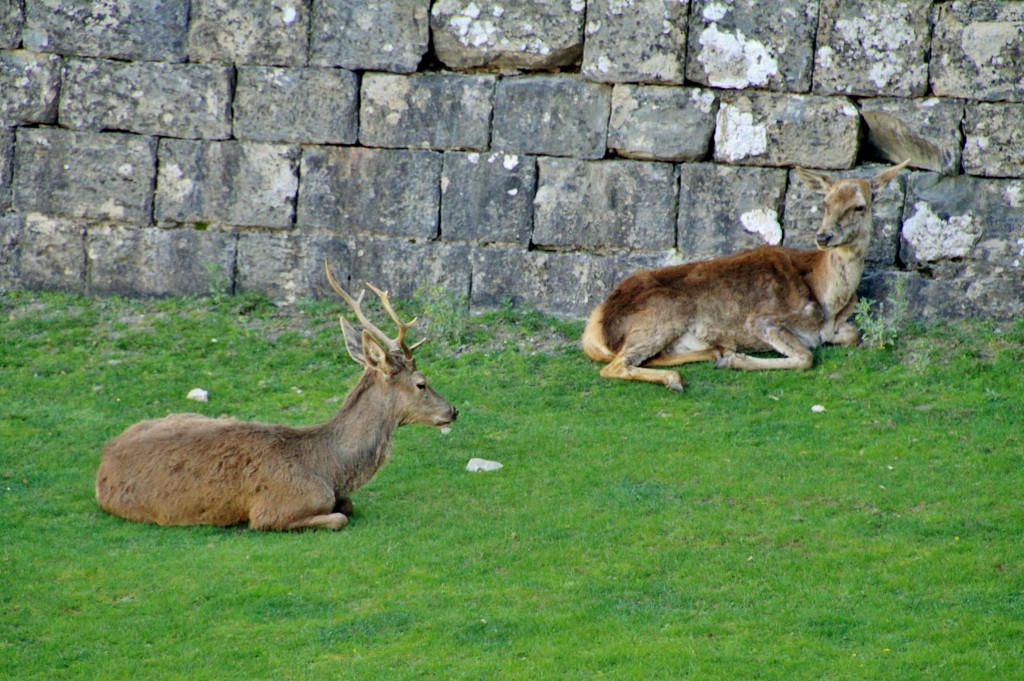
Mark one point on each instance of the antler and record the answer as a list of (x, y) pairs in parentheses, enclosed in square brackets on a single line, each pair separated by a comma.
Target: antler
[(393, 344), (385, 300)]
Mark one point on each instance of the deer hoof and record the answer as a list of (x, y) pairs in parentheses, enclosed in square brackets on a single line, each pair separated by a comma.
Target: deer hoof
[(725, 361), (674, 383)]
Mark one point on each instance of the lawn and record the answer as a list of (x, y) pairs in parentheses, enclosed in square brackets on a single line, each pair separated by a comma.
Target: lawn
[(729, 532)]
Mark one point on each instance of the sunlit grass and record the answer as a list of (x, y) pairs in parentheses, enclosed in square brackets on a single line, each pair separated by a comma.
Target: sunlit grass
[(725, 533)]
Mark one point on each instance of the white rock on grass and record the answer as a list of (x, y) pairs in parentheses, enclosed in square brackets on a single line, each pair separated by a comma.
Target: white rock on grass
[(198, 395), (482, 465)]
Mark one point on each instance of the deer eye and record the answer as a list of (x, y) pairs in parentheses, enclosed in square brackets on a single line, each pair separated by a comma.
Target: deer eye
[(858, 209)]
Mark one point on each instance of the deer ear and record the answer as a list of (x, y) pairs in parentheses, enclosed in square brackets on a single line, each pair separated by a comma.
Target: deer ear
[(815, 181), (375, 357), (350, 335), (883, 178)]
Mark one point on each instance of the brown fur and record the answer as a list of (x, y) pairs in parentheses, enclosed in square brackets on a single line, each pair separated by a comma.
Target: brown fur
[(765, 299), (188, 469)]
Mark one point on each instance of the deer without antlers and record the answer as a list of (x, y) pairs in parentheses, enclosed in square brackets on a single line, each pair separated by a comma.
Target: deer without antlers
[(764, 299), (188, 469)]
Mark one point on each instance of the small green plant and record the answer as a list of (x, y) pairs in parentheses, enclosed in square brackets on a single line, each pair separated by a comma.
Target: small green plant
[(218, 283), (447, 313), (881, 329)]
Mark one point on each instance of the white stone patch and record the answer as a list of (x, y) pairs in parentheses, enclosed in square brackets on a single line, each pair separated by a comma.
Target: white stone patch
[(825, 57), (112, 209), (603, 64), (477, 465), (126, 170), (764, 223), (881, 73), (1014, 194), (288, 14), (737, 136), (715, 12), (513, 192), (984, 41), (578, 6), (510, 162), (733, 61), (198, 395), (703, 99), (473, 157), (936, 239)]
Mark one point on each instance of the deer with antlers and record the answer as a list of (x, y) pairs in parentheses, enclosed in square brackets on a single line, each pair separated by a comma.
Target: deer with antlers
[(188, 469), (767, 299)]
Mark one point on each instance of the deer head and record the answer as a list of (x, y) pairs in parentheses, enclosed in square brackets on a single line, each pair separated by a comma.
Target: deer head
[(389, 361), (847, 220)]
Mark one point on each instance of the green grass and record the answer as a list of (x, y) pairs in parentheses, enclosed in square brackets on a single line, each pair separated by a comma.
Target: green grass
[(725, 533)]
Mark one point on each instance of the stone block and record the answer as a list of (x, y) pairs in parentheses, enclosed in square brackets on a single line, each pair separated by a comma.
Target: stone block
[(964, 227), (568, 284), (371, 191), (11, 227), (805, 208), (288, 266), (551, 115), (6, 167), (149, 261), (401, 267), (543, 34), (487, 198), (927, 131), (147, 31), (235, 183), (369, 36), (605, 205), (637, 41), (84, 174), (51, 253), (301, 105), (11, 18), (873, 48), (29, 87), (725, 209), (171, 100), (991, 298), (977, 47), (426, 111), (769, 129), (741, 44), (995, 140), (653, 122), (245, 32)]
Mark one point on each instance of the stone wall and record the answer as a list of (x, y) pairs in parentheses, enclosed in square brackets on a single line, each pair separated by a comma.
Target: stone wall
[(533, 151)]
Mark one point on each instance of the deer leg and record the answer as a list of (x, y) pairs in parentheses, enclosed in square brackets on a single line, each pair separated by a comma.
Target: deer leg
[(664, 360), (333, 521), (621, 368), (785, 342), (312, 508), (842, 332)]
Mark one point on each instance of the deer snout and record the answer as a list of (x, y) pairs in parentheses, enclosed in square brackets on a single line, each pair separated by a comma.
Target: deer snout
[(823, 239), (448, 417)]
